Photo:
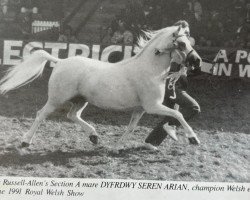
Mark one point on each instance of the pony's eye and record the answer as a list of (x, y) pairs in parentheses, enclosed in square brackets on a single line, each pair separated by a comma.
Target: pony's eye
[(182, 45)]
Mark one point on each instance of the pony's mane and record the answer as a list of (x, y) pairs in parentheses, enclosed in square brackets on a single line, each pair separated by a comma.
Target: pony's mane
[(146, 38)]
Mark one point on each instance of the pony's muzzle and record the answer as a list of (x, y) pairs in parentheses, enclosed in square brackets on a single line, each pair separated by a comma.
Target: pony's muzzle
[(194, 60)]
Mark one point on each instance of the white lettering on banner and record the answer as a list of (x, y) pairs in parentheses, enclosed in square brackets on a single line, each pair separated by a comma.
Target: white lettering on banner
[(29, 46), (227, 69), (14, 50), (8, 52), (55, 47), (220, 68), (240, 55), (222, 54), (108, 50), (215, 69), (127, 52), (243, 71), (96, 52), (74, 47)]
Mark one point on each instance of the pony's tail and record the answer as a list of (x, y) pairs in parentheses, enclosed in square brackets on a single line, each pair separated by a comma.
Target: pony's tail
[(26, 71)]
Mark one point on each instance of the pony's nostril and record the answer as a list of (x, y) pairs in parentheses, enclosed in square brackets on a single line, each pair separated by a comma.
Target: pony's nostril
[(198, 62)]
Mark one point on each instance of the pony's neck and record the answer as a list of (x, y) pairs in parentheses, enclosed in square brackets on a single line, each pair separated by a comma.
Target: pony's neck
[(157, 63)]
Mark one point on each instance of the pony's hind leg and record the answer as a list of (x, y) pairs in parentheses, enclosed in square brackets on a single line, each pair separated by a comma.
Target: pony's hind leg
[(75, 115), (41, 115)]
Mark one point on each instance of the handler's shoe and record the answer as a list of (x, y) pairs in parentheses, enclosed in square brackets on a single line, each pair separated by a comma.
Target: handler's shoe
[(171, 130)]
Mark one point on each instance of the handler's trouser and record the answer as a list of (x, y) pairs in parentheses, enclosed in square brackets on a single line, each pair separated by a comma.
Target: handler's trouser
[(188, 107)]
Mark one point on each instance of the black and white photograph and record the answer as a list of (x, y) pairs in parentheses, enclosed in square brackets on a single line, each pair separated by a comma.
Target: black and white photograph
[(153, 90)]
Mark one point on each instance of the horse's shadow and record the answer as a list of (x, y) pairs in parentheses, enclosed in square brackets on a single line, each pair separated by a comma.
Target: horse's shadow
[(58, 158)]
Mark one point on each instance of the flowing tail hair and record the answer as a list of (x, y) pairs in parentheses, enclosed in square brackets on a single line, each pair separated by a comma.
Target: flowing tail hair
[(25, 72)]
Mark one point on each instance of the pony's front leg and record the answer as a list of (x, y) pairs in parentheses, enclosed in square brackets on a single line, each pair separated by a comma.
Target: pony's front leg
[(163, 110), (135, 118)]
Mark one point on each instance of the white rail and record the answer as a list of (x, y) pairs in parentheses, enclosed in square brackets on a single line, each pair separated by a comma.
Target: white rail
[(38, 26)]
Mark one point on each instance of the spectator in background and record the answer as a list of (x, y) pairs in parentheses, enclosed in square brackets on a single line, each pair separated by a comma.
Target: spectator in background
[(117, 37), (214, 16), (247, 45), (197, 10), (123, 35), (46, 11), (189, 12), (56, 7), (229, 21), (106, 39), (202, 41), (153, 17), (35, 14), (248, 12), (115, 23), (240, 7), (28, 5), (176, 9), (243, 28), (221, 34), (239, 42), (4, 7), (134, 13), (24, 22), (67, 35), (128, 37)]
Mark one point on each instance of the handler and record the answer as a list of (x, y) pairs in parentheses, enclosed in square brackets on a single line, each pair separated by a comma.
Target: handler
[(188, 107)]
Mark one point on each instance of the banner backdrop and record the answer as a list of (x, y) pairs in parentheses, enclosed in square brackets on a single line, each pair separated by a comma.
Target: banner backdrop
[(219, 62)]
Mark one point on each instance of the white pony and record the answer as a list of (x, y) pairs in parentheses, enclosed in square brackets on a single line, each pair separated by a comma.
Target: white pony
[(137, 83)]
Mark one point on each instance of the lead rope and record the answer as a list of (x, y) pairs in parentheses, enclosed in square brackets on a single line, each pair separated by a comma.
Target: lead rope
[(174, 76)]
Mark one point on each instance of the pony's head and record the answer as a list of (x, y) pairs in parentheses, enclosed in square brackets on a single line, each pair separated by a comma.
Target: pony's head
[(179, 43)]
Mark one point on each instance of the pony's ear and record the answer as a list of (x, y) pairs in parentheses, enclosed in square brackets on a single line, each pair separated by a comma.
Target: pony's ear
[(176, 33)]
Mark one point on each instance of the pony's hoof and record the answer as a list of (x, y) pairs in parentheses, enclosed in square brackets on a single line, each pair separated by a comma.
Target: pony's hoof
[(171, 131), (194, 141), (25, 145), (23, 151), (93, 139), (150, 147)]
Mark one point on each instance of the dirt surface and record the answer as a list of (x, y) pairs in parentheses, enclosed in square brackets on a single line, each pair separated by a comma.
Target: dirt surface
[(61, 149)]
